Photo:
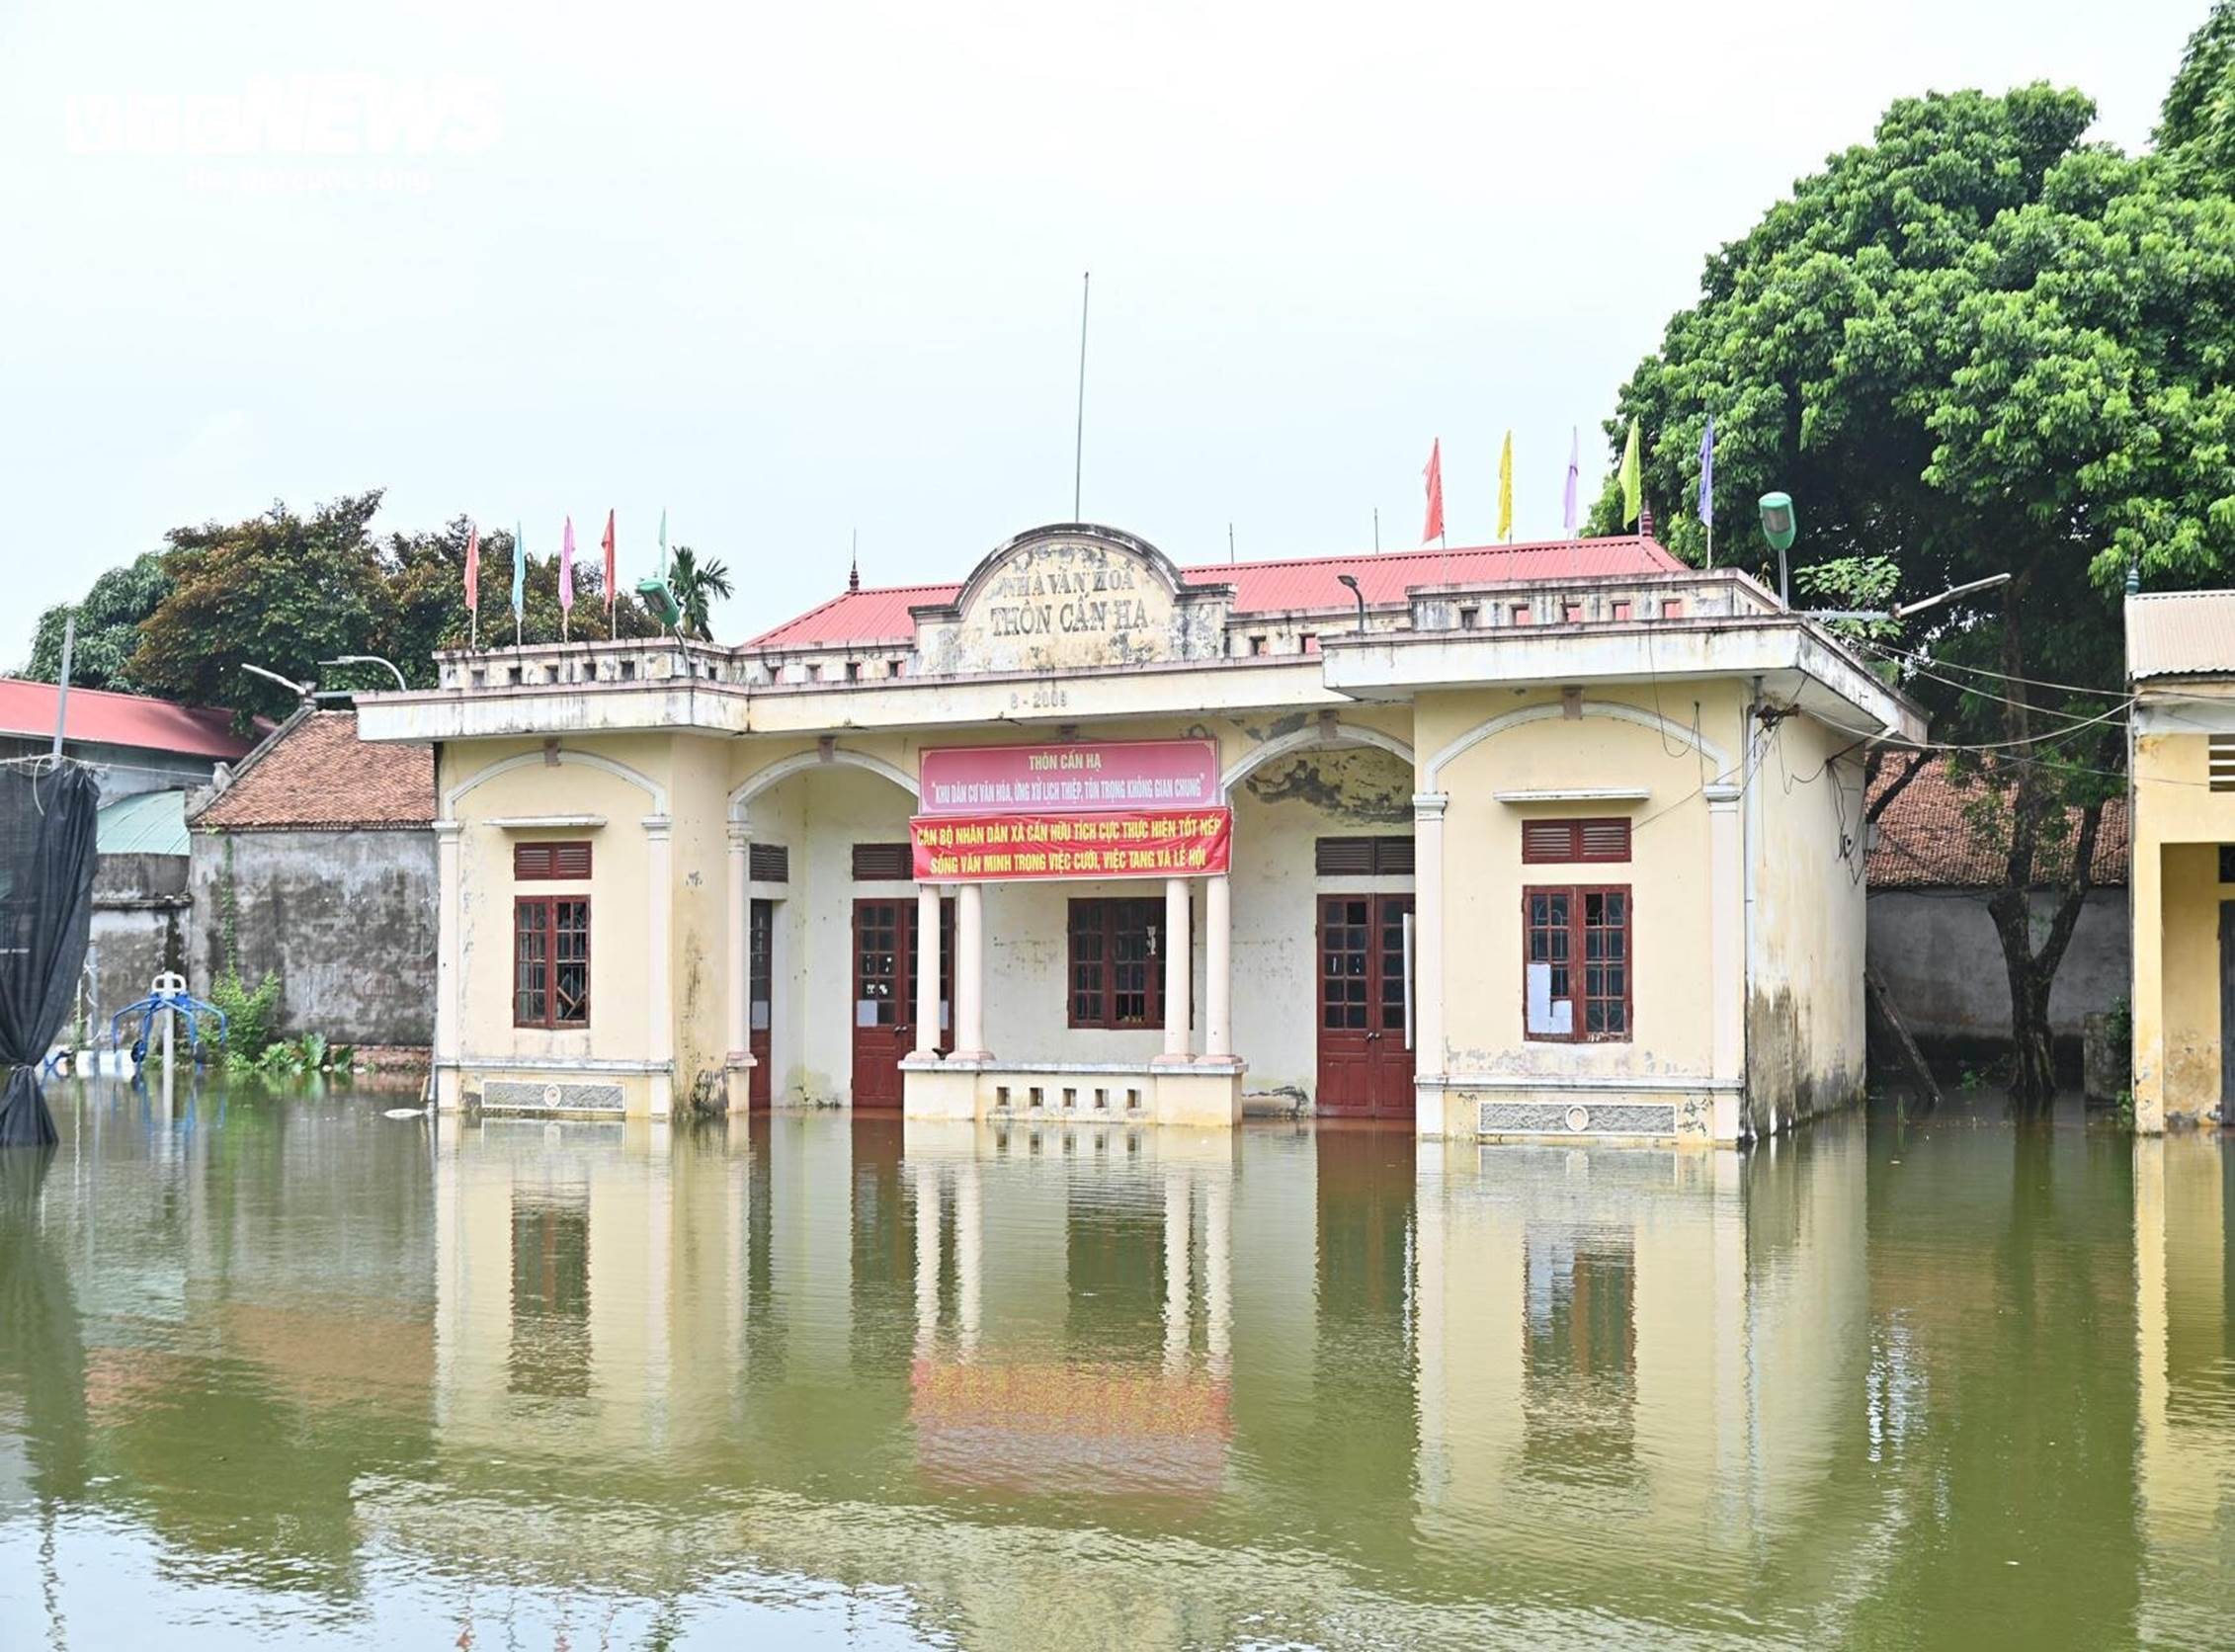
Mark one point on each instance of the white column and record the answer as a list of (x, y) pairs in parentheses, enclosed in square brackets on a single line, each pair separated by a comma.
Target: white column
[(1726, 955), (969, 1226), (449, 1082), (1177, 1250), (659, 995), (1428, 947), (1219, 966), (927, 1259), (1179, 957), (1218, 1270), (969, 972), (738, 1031), (927, 969)]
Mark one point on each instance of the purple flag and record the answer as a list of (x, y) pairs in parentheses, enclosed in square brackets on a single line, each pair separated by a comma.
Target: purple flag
[(566, 569), (1575, 472)]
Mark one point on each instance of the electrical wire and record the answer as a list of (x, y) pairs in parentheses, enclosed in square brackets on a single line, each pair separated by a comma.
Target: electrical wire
[(1880, 734), (1915, 660)]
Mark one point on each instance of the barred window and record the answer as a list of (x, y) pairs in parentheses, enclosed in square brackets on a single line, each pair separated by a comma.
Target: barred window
[(1117, 963), (1576, 963), (550, 962)]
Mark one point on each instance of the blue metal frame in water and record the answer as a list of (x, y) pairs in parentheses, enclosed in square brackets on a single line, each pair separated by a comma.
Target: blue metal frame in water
[(177, 1000)]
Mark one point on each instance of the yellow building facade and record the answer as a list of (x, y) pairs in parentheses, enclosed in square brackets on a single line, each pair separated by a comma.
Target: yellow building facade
[(1543, 840), (2181, 764)]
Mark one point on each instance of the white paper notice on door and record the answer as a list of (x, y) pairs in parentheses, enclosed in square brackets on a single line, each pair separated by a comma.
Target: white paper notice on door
[(865, 1011), (1545, 1015)]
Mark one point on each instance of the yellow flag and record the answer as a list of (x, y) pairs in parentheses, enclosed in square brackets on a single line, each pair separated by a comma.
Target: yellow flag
[(1632, 478), (1506, 489)]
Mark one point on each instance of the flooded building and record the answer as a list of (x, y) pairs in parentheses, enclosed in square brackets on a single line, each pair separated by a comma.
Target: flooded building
[(1554, 839), (2181, 767)]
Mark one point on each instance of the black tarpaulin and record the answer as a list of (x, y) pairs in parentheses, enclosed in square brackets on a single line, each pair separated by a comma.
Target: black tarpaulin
[(49, 817)]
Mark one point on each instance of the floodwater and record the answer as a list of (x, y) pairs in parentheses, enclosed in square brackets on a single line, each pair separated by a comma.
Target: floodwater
[(277, 1369)]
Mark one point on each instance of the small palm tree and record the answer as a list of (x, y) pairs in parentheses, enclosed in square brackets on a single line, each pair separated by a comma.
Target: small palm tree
[(694, 586)]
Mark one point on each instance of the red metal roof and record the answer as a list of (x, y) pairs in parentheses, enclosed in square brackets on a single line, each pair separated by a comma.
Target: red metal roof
[(860, 617), (100, 717)]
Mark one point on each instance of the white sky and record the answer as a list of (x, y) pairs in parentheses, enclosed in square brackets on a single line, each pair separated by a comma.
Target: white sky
[(795, 271)]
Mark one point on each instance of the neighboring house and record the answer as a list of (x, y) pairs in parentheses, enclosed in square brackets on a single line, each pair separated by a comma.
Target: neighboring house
[(2181, 670), (317, 862), (1088, 836), (137, 744), (140, 907), (1933, 941)]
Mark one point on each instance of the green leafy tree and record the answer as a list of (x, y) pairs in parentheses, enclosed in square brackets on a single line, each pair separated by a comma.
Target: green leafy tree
[(696, 585), (108, 620), (282, 591), (1977, 345)]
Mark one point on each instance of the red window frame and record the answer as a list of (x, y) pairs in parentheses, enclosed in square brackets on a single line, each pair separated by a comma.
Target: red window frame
[(550, 862), (550, 944), (1114, 974), (1621, 609), (1597, 838), (1671, 608), (1592, 952), (1571, 613)]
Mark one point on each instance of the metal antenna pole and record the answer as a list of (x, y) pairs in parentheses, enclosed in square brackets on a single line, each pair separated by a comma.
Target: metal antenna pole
[(1377, 527), (62, 689), (1079, 441), (1229, 541)]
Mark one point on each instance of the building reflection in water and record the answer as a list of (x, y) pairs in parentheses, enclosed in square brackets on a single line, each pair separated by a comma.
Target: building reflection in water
[(1833, 1387)]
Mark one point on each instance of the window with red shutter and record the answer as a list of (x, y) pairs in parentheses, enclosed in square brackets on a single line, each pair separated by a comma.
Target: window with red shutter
[(550, 962), (883, 862)]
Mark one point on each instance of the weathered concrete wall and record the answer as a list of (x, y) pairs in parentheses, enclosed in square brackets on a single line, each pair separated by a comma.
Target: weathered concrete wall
[(1805, 1026), (141, 912), (1939, 956), (347, 919)]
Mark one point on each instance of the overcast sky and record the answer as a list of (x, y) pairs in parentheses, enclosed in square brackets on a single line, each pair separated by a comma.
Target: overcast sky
[(793, 271)]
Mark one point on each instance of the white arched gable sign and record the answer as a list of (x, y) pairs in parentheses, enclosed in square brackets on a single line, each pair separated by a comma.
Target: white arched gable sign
[(564, 756), (799, 763), (1431, 778)]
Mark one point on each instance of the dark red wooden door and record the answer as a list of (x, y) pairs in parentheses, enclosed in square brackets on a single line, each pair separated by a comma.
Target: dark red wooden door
[(884, 995), (760, 1000), (1366, 1070)]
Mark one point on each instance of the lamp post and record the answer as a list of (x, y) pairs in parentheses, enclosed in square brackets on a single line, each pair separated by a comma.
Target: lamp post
[(1351, 580), (370, 659), (1781, 527)]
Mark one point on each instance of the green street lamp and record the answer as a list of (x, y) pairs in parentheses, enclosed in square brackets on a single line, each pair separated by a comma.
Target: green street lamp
[(659, 602), (1780, 527)]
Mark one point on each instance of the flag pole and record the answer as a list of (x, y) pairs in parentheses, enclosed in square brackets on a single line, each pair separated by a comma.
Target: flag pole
[(1079, 437), (1377, 528)]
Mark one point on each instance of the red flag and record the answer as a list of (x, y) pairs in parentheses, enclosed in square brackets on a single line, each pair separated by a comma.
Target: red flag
[(611, 587), (473, 570), (1434, 476)]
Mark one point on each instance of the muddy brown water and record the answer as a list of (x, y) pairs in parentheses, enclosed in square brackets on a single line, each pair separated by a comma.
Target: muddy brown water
[(276, 1368)]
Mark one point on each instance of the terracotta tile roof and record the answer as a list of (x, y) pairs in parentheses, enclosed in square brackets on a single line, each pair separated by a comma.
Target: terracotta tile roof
[(880, 615), (100, 717), (2180, 633), (1931, 837), (315, 774)]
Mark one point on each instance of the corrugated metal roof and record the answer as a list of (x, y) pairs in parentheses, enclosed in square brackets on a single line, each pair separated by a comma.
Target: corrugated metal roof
[(866, 618), (150, 823), (2180, 633), (100, 717)]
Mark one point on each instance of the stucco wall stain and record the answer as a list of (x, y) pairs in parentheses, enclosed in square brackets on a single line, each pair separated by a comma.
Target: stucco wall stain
[(1784, 1072), (1365, 787)]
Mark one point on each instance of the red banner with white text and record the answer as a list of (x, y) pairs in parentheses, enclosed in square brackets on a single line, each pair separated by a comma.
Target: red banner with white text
[(1134, 843)]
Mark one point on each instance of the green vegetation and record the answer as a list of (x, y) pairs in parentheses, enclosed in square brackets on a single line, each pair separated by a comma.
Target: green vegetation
[(1980, 344), (694, 585), (309, 1053), (248, 1014)]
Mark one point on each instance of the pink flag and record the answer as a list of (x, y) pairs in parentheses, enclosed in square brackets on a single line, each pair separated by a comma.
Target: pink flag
[(473, 570), (566, 569), (613, 575)]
